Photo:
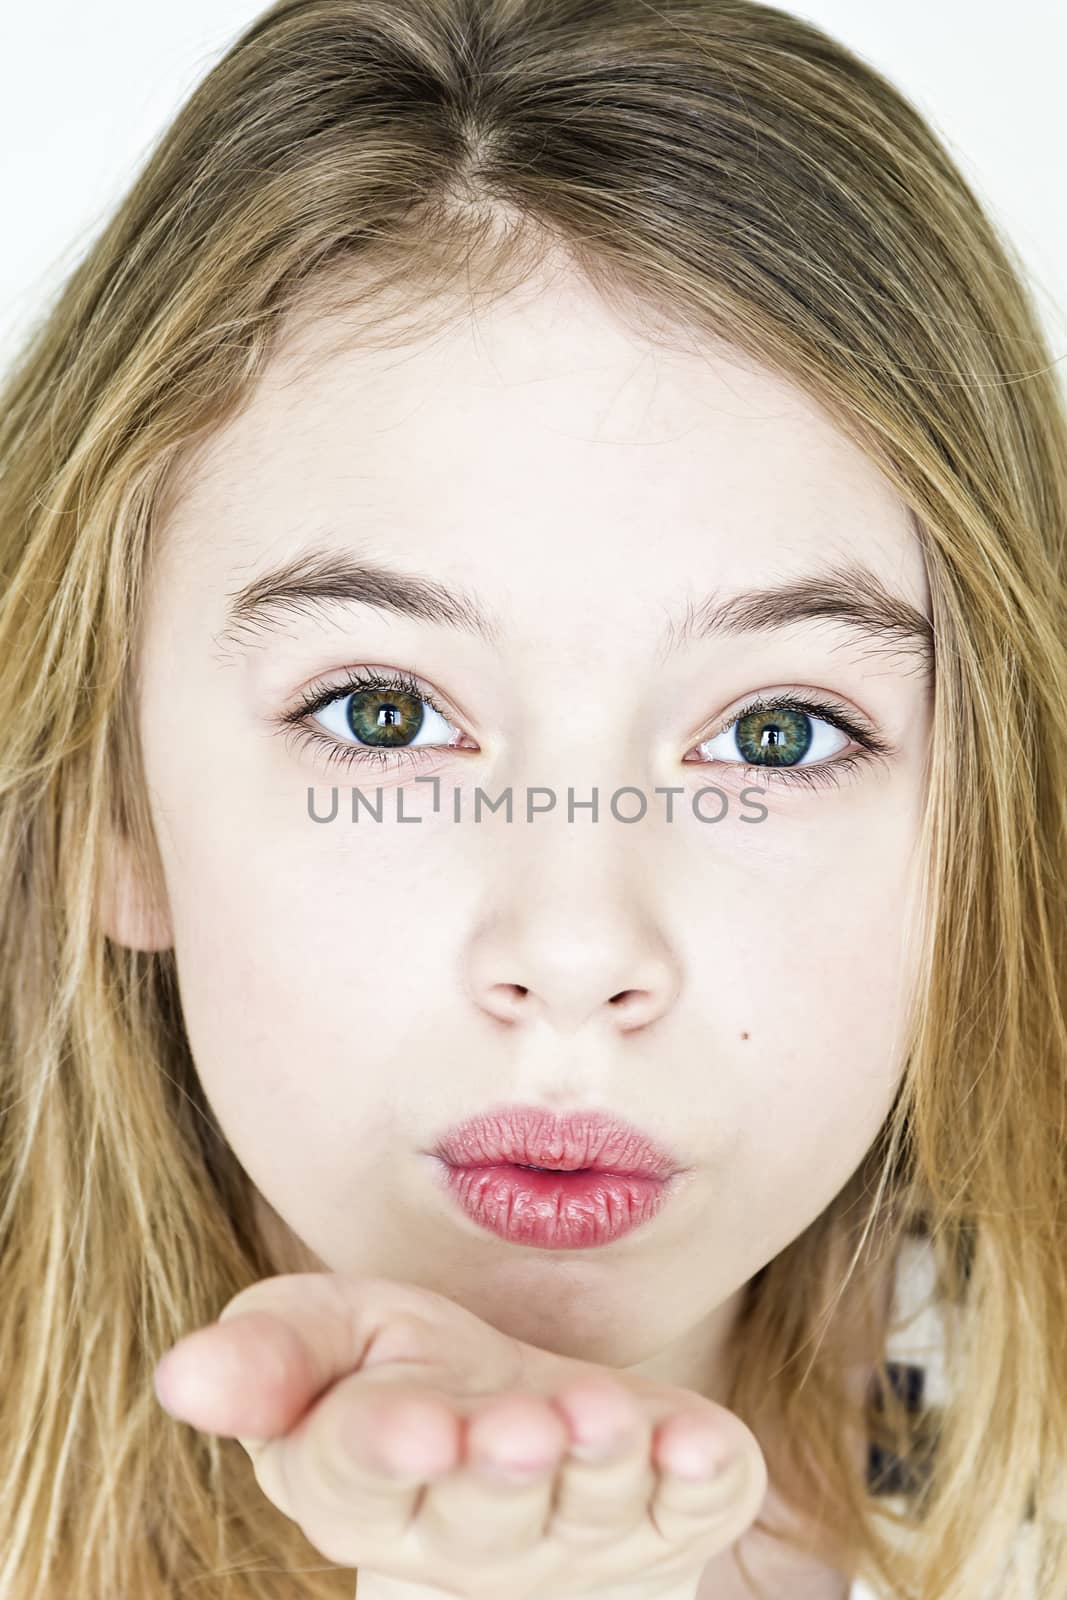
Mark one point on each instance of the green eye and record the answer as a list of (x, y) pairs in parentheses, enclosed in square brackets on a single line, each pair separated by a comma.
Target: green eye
[(777, 737), (382, 718)]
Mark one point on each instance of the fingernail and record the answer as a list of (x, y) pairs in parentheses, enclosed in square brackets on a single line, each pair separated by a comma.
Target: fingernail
[(606, 1447), (698, 1459)]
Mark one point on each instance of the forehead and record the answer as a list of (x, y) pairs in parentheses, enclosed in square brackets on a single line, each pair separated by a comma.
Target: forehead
[(541, 446)]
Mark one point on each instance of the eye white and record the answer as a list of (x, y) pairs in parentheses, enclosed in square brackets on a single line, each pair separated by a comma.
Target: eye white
[(334, 719), (723, 747)]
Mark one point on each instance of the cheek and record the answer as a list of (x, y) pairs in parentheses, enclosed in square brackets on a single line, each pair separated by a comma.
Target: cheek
[(823, 993), (307, 967), (791, 1110)]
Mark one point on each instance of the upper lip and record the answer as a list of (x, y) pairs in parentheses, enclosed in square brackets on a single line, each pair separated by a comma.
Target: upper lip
[(535, 1136)]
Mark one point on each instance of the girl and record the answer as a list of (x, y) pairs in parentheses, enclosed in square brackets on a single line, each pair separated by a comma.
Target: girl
[(614, 439)]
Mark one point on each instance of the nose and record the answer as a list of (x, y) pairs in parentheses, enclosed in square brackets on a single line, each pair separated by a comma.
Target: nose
[(573, 942)]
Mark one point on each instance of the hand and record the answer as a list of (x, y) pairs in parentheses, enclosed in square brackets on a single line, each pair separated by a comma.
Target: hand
[(371, 1408)]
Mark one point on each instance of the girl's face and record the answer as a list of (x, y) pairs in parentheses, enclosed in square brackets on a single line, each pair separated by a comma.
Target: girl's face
[(351, 989)]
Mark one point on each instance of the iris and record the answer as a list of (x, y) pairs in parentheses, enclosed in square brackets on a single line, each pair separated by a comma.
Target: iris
[(778, 737), (385, 717)]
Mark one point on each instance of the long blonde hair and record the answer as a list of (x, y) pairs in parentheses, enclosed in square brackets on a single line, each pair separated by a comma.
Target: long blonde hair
[(729, 170)]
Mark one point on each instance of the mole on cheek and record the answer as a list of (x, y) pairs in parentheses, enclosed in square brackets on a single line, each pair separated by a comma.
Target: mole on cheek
[(744, 1036)]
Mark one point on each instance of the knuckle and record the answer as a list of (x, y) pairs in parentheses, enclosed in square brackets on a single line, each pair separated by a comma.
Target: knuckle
[(312, 1465), (584, 1533), (277, 1293), (332, 1446), (357, 1439), (267, 1469), (595, 1519), (404, 1338)]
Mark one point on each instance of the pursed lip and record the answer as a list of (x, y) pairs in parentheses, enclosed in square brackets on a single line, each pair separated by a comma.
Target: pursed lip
[(533, 1136)]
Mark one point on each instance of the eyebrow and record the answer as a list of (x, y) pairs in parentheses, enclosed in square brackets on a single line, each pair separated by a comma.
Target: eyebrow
[(847, 594)]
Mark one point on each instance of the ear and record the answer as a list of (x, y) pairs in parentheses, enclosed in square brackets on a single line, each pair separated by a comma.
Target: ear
[(131, 909)]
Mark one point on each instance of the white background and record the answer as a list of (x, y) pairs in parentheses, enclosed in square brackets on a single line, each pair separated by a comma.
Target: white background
[(87, 86)]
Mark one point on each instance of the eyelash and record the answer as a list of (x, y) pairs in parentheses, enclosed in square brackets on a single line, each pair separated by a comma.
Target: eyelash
[(821, 774)]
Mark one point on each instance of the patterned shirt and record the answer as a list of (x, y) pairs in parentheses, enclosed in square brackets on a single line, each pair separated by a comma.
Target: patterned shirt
[(915, 1369)]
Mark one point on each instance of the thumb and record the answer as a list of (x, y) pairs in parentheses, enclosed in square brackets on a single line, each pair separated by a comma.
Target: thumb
[(278, 1345)]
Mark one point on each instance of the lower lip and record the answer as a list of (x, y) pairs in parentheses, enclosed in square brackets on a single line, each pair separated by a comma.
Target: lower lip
[(555, 1210)]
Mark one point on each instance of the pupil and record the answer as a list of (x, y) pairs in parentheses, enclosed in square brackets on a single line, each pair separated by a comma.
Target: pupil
[(774, 738), (384, 717)]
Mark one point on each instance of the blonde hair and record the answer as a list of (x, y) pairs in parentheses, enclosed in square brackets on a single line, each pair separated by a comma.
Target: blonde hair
[(730, 170)]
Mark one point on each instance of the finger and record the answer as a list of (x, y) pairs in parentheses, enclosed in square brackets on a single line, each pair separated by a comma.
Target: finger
[(710, 1480), (274, 1347), (607, 1477), (497, 1502), (355, 1467), (280, 1345), (281, 1342)]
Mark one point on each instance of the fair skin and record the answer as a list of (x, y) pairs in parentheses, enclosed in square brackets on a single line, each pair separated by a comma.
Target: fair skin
[(348, 988)]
